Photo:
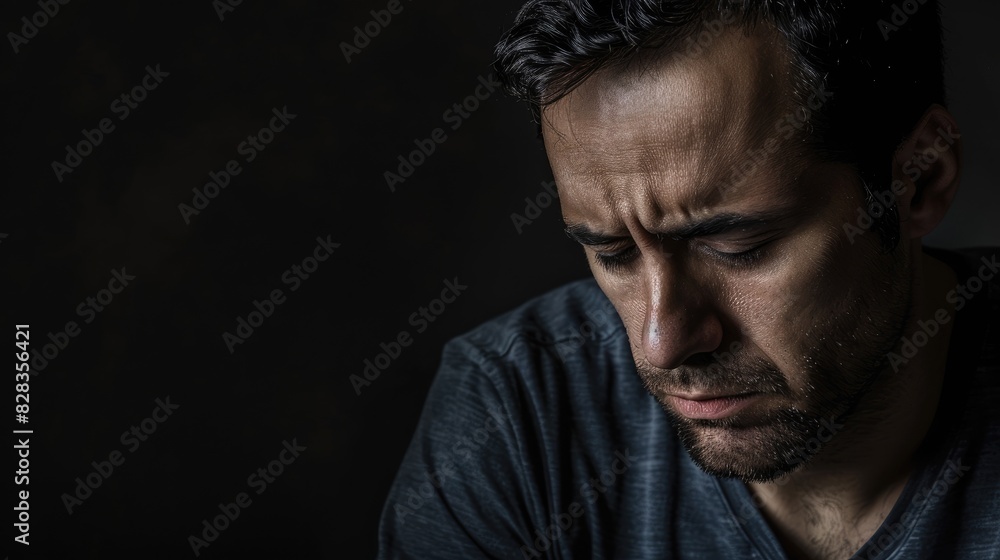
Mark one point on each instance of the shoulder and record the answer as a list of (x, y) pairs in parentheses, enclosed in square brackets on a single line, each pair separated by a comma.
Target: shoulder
[(566, 315), (519, 416), (567, 340)]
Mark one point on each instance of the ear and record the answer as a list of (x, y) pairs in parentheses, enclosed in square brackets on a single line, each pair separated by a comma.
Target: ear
[(928, 163)]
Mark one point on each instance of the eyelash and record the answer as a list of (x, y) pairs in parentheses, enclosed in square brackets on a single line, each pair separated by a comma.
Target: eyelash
[(616, 262), (743, 259)]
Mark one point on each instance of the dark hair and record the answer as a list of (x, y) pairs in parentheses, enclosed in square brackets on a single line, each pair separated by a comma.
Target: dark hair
[(882, 62)]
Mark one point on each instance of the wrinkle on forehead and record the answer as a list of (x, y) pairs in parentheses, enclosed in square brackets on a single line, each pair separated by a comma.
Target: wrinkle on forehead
[(664, 130)]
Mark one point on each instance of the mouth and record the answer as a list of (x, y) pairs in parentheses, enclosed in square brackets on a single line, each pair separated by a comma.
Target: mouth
[(711, 407)]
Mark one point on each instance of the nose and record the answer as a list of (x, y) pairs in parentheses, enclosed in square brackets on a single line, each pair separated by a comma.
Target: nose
[(680, 320)]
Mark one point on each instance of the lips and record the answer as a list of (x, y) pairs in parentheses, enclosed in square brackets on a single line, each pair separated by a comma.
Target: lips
[(711, 407)]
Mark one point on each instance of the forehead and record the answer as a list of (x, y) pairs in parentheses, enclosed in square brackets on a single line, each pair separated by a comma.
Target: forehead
[(669, 127)]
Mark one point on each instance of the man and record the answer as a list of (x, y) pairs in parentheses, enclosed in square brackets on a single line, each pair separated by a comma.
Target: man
[(768, 363)]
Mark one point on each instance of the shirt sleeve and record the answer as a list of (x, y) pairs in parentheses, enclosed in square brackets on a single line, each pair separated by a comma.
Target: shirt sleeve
[(462, 490)]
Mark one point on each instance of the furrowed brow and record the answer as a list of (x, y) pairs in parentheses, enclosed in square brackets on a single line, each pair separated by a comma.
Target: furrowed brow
[(715, 225), (723, 223), (586, 236)]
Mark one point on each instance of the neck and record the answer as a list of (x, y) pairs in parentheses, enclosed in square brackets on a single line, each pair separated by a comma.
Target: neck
[(853, 482)]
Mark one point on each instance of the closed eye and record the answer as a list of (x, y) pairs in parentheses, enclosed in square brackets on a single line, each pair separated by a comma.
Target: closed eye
[(737, 260), (619, 260), (740, 259)]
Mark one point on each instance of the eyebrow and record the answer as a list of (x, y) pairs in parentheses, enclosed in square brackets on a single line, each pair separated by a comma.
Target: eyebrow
[(716, 225)]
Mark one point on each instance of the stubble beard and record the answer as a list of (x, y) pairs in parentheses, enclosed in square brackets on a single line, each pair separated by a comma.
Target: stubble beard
[(844, 356)]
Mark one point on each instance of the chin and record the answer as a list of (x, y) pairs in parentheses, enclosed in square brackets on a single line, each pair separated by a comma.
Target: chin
[(761, 451)]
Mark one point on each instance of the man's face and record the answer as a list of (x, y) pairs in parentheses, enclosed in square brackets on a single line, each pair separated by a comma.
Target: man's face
[(718, 236)]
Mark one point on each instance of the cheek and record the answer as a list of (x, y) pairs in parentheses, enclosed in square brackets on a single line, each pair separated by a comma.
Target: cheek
[(770, 311), (795, 311)]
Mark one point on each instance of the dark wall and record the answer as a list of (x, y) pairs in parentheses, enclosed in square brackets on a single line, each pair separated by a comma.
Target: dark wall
[(69, 232)]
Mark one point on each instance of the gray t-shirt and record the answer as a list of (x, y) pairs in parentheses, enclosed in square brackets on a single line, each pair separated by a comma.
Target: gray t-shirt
[(538, 440)]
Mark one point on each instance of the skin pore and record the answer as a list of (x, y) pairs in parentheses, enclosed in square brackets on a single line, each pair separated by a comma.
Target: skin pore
[(759, 271)]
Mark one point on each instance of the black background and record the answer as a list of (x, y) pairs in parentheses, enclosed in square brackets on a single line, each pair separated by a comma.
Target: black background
[(321, 176)]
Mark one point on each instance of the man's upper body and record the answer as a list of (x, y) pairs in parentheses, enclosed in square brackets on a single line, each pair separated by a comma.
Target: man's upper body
[(751, 183), (539, 441)]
